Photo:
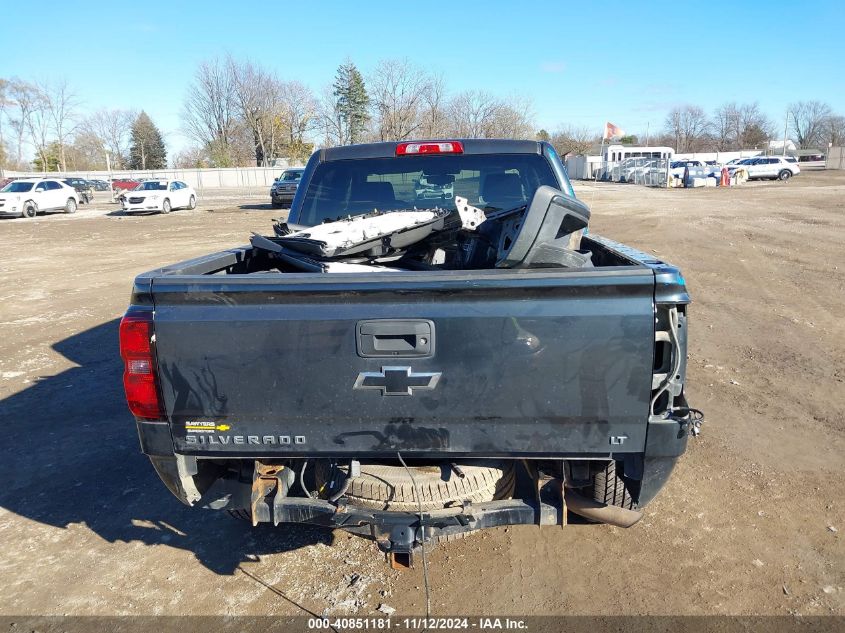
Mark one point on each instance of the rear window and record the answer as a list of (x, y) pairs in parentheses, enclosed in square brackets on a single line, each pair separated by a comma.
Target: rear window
[(152, 185), (489, 181)]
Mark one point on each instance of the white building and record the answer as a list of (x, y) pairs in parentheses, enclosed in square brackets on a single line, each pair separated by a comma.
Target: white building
[(585, 167), (618, 153), (776, 147)]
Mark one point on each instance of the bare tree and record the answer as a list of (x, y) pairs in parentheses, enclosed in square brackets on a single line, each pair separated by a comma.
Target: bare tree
[(834, 132), (191, 158), (330, 119), (573, 140), (475, 114), (735, 127), (61, 104), (5, 102), (397, 90), (258, 98), (86, 152), (513, 118), (24, 99), (688, 126), (299, 112), (753, 127), (808, 122), (434, 117), (471, 113), (724, 126), (210, 112), (112, 128), (37, 124)]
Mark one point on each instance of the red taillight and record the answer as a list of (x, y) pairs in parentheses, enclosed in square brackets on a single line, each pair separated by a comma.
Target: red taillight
[(436, 147), (136, 350)]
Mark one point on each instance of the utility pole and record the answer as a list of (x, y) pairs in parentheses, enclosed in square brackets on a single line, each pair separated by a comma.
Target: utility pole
[(785, 126)]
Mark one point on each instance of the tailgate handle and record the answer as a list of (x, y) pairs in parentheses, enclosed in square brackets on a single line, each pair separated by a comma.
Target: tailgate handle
[(395, 338)]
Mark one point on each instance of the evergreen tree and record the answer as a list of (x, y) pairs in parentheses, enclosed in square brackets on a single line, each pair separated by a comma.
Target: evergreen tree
[(50, 156), (352, 102), (147, 149)]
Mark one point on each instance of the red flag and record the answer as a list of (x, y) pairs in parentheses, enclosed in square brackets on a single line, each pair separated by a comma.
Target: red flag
[(611, 131)]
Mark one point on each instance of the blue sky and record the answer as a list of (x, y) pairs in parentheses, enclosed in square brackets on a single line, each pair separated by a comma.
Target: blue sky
[(580, 63)]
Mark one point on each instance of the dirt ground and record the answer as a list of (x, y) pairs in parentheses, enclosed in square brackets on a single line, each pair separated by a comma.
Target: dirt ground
[(752, 521)]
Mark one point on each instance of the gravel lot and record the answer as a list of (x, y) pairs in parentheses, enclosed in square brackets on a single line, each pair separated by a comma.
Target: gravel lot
[(751, 523)]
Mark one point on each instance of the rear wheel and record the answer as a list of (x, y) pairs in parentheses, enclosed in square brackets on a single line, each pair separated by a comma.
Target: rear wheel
[(165, 206), (70, 206), (192, 203), (609, 488), (784, 174)]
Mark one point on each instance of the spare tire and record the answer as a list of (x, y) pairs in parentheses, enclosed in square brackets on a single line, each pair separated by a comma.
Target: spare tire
[(382, 487)]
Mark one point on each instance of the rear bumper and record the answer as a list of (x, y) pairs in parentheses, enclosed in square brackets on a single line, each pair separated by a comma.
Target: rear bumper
[(663, 437), (397, 533), (210, 482)]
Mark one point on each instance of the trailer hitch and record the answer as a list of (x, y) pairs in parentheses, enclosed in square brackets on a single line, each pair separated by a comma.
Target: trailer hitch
[(267, 478)]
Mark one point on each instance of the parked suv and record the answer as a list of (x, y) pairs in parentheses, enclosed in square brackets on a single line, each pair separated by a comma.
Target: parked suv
[(29, 196), (772, 167), (284, 187)]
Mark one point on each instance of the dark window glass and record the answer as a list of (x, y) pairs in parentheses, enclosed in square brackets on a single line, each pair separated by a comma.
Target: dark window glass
[(489, 181), (18, 187), (152, 185)]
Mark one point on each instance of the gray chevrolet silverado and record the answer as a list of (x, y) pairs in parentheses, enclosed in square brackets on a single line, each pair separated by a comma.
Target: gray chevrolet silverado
[(445, 381)]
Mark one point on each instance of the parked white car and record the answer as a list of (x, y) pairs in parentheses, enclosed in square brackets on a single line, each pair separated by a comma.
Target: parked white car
[(27, 197), (772, 167), (159, 195)]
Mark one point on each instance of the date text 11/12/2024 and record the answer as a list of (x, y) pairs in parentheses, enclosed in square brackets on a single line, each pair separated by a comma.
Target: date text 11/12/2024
[(418, 623)]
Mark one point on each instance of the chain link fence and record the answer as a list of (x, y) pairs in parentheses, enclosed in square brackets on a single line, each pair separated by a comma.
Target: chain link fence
[(650, 172)]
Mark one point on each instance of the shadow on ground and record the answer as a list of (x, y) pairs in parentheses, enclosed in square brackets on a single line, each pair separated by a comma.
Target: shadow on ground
[(70, 454), (258, 206)]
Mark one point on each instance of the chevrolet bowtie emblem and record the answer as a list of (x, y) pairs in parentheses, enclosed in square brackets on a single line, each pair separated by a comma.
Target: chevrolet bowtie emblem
[(396, 381)]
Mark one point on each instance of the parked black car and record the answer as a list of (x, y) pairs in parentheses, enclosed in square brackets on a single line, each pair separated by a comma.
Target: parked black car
[(83, 188)]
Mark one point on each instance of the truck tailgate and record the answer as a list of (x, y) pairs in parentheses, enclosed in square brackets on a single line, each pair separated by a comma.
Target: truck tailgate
[(482, 363)]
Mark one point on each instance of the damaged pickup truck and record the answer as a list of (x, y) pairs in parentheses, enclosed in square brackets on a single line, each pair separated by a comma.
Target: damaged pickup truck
[(411, 362)]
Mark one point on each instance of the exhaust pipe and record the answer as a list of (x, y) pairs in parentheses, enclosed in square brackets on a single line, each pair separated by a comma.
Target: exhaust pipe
[(600, 512)]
